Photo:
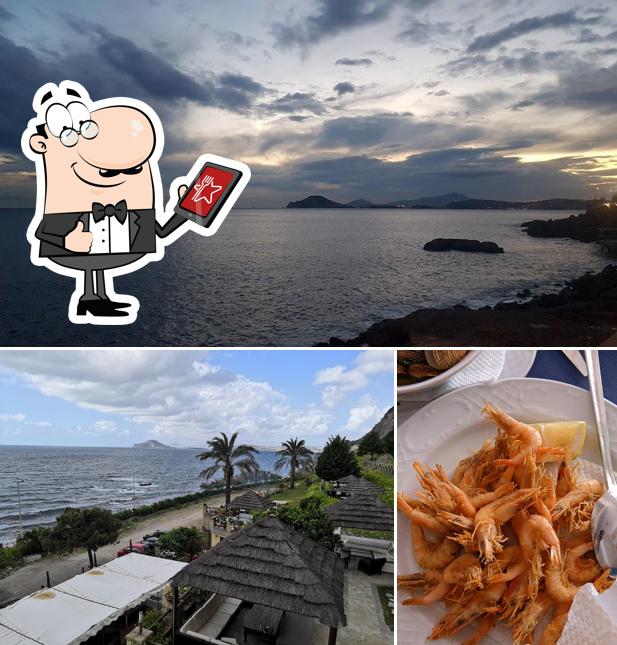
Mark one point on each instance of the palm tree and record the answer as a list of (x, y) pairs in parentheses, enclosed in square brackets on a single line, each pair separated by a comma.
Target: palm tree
[(294, 455), (228, 458)]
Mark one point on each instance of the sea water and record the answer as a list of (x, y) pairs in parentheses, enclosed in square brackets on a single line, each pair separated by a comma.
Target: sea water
[(294, 277)]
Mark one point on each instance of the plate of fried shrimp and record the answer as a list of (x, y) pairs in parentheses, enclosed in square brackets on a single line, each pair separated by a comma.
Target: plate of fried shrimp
[(496, 484)]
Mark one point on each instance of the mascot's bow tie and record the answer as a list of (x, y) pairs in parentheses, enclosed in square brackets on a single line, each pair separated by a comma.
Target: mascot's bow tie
[(118, 211)]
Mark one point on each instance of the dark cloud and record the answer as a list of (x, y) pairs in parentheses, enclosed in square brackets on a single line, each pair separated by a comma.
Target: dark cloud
[(18, 90), (298, 118), (526, 26), (377, 53), (354, 62), (521, 61), (294, 102), (331, 18), (590, 88), (160, 79), (234, 39), (439, 93), (520, 105), (5, 14), (478, 172), (419, 32), (110, 66), (481, 101), (344, 88), (361, 132)]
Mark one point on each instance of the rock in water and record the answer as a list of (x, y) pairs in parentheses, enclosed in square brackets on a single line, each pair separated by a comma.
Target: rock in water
[(469, 246)]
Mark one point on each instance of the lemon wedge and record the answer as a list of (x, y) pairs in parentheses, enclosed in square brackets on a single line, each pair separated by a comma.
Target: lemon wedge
[(569, 435)]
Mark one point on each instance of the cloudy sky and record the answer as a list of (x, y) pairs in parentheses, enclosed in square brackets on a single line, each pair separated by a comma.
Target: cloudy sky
[(119, 397), (378, 99)]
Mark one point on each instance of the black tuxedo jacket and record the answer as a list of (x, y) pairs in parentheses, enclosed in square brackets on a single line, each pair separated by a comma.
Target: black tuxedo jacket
[(143, 230)]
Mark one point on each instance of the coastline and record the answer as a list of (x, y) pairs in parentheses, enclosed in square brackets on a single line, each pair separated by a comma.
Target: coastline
[(583, 313)]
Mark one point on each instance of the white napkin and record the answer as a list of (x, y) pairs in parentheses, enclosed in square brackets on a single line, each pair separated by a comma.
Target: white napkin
[(487, 366), (592, 619)]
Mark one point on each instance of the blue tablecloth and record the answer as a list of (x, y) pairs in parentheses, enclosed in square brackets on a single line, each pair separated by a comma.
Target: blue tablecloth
[(553, 364)]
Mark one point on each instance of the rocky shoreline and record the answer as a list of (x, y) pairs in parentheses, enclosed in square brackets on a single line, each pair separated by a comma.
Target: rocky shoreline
[(583, 313)]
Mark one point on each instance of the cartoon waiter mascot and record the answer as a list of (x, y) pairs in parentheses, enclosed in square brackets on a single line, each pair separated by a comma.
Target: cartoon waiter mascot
[(99, 195)]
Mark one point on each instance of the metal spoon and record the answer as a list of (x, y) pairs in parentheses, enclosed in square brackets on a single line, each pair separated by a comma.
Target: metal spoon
[(604, 515)]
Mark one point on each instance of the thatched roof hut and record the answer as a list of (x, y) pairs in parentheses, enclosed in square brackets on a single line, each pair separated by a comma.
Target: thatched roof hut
[(362, 511), (353, 485), (270, 564), (250, 501)]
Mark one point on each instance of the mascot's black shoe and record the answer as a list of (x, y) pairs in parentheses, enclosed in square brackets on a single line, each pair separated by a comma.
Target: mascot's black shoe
[(101, 308)]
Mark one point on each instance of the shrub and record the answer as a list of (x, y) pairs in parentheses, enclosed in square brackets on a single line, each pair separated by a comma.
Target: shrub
[(309, 519), (185, 541)]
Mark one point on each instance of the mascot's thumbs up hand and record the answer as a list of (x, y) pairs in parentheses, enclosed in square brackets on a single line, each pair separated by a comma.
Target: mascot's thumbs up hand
[(78, 240)]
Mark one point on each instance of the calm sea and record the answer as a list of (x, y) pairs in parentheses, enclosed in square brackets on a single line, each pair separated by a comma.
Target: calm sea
[(57, 477), (293, 277)]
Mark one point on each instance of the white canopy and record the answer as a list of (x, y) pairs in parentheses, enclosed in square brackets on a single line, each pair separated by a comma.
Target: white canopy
[(75, 610)]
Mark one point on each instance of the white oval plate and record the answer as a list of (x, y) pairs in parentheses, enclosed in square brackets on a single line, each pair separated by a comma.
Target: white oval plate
[(451, 428)]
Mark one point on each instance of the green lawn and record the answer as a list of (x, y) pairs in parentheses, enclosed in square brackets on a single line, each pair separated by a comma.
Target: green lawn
[(388, 613), (291, 496), (376, 535)]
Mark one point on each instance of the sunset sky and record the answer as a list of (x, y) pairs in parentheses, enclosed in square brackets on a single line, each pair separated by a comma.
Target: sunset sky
[(376, 99)]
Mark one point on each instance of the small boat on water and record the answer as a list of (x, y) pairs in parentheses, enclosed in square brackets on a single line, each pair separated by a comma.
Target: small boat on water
[(145, 483)]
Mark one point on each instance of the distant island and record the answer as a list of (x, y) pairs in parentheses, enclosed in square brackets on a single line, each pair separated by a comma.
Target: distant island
[(453, 201), (152, 443)]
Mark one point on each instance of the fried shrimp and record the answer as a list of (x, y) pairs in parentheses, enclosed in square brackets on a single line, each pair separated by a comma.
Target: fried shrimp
[(481, 499), (552, 632), (506, 540), (488, 520), (558, 586), (465, 571), (431, 580), (518, 430), (485, 601), (432, 555), (575, 507), (508, 565), (535, 534), (523, 433), (419, 517), (485, 624), (578, 569), (527, 621)]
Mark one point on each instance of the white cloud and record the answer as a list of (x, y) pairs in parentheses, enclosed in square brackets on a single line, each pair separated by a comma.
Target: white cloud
[(363, 416), (20, 418), (104, 426), (174, 396), (338, 381)]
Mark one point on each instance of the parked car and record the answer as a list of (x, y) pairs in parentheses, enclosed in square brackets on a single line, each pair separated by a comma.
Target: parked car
[(138, 547)]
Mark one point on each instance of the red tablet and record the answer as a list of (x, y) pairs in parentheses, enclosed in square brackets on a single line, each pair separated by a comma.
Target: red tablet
[(208, 193)]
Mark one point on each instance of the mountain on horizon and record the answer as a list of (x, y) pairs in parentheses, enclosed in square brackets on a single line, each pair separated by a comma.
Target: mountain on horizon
[(455, 201), (152, 443), (437, 201), (316, 201)]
